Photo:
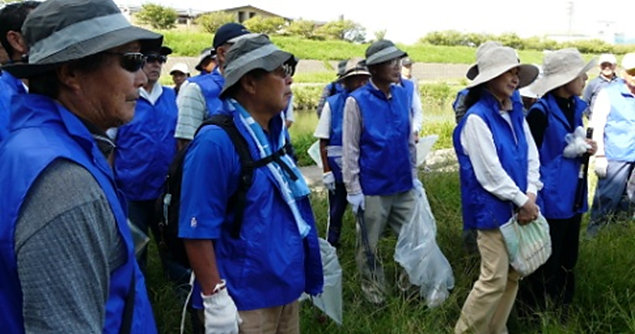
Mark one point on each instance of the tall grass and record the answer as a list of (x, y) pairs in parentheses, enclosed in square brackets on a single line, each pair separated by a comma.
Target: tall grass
[(605, 291)]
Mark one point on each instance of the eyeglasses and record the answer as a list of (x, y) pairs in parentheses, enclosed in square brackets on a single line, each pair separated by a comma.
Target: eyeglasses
[(130, 61), (160, 58), (394, 62), (286, 70)]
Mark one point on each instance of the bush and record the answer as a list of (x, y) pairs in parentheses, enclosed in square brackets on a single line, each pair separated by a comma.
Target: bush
[(301, 146), (264, 25), (342, 30), (437, 94), (301, 28), (212, 21), (157, 16), (306, 97)]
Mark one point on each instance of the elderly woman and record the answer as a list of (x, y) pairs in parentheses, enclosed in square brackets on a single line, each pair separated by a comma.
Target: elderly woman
[(552, 118), (499, 171), (67, 255)]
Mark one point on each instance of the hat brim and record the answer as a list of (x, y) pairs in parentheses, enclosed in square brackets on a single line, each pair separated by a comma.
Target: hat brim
[(526, 75), (148, 40), (550, 82), (472, 72), (352, 73), (267, 63), (389, 56)]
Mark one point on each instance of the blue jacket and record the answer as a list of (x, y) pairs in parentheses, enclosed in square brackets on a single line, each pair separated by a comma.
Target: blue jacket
[(481, 209), (44, 131), (619, 137), (9, 86), (559, 174), (384, 160), (146, 147), (336, 104), (270, 264), (211, 85)]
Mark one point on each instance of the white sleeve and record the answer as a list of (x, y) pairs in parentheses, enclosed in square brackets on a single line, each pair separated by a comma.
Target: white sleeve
[(192, 111), (601, 110), (478, 144), (417, 112), (323, 129), (533, 171)]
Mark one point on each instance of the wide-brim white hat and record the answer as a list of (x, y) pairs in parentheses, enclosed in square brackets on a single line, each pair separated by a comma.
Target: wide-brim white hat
[(561, 67), (498, 60)]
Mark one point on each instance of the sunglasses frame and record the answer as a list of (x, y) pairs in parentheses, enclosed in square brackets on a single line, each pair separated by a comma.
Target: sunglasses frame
[(130, 61), (151, 58)]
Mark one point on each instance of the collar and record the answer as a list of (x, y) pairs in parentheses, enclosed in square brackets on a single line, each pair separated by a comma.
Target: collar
[(372, 84), (152, 96), (104, 143)]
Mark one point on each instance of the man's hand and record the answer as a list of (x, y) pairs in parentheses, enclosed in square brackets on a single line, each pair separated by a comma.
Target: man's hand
[(529, 211), (329, 181), (356, 201), (593, 146), (221, 315)]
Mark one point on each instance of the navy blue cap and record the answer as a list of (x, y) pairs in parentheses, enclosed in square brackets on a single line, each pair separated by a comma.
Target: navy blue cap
[(227, 32)]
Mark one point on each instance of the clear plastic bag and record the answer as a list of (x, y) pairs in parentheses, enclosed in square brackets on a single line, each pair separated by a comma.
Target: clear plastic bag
[(418, 253), (330, 301), (528, 246), (423, 148), (314, 153), (139, 238)]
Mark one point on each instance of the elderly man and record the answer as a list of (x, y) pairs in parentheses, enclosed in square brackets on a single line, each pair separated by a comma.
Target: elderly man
[(250, 278), (607, 77), (614, 116), (68, 263), (378, 160), (179, 73), (200, 98)]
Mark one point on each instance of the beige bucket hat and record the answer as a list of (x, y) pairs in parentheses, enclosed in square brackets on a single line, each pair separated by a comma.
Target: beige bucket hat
[(498, 60), (561, 67), (354, 67), (472, 72)]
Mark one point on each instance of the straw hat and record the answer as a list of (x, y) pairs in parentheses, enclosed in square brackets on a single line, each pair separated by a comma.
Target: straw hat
[(561, 67), (354, 67), (498, 60)]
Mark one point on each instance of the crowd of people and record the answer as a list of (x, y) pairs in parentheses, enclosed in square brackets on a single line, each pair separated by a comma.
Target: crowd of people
[(88, 136)]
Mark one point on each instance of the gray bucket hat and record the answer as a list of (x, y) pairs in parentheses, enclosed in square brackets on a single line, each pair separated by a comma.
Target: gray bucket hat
[(59, 31), (253, 53), (382, 51)]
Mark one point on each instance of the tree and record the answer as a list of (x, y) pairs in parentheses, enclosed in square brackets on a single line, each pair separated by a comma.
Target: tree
[(380, 34), (342, 30), (157, 16), (264, 25), (214, 20), (302, 28)]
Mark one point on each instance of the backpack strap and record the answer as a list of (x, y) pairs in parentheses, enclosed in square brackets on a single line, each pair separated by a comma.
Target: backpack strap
[(277, 158)]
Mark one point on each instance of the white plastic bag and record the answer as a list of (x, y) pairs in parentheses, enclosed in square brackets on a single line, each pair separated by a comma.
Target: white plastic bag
[(330, 301), (528, 246), (418, 253), (314, 153), (423, 148), (576, 144)]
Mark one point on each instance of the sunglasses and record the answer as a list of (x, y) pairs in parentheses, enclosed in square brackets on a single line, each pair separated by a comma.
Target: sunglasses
[(154, 58), (130, 61), (289, 69)]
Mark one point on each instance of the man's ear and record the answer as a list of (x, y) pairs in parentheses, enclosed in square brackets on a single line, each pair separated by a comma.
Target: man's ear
[(18, 44), (69, 77), (248, 83)]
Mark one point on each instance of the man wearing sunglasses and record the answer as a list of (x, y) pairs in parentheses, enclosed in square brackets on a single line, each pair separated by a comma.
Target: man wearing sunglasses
[(67, 254), (199, 99), (250, 281), (145, 147)]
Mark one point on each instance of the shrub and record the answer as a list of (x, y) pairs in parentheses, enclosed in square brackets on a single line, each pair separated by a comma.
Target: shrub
[(342, 30), (157, 16), (264, 25), (301, 28), (306, 97), (212, 21), (437, 94), (301, 144)]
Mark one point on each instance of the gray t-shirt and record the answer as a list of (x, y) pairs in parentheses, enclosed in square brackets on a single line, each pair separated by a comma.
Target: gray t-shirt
[(67, 244)]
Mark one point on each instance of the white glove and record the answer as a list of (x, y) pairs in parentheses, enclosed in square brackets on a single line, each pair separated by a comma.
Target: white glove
[(356, 201), (601, 166), (576, 144), (221, 315), (329, 181)]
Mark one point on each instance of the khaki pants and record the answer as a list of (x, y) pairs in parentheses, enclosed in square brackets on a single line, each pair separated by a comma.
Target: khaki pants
[(274, 320), (489, 303), (395, 211)]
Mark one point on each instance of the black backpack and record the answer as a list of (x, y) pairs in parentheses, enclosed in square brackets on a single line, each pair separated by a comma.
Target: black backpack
[(168, 203)]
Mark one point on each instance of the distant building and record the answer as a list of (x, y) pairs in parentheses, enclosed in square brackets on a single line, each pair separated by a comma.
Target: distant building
[(244, 13)]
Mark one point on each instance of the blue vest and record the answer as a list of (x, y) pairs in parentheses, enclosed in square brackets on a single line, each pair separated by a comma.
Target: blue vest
[(270, 264), (146, 147), (559, 174), (336, 104), (410, 88), (619, 137), (384, 155), (481, 209), (44, 131), (211, 85), (9, 86)]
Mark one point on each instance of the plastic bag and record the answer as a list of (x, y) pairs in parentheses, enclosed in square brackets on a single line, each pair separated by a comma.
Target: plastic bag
[(418, 253), (314, 153), (330, 301), (139, 238), (528, 246), (576, 143), (423, 148)]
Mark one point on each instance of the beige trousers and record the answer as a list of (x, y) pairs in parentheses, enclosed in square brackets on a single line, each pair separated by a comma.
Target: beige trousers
[(274, 320), (489, 303)]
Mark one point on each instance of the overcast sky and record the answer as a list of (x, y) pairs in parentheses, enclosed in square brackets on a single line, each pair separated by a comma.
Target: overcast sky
[(407, 20)]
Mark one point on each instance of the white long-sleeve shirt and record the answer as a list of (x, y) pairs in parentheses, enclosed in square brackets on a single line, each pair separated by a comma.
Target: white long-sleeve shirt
[(478, 145)]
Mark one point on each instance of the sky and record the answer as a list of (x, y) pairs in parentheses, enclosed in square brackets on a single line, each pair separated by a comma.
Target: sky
[(406, 21)]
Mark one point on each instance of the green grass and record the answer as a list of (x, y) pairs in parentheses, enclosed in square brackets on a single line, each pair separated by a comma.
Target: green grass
[(604, 301)]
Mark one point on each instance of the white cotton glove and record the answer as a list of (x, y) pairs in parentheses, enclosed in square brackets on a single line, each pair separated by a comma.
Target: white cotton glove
[(600, 167), (329, 181), (576, 144), (221, 314), (356, 201)]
